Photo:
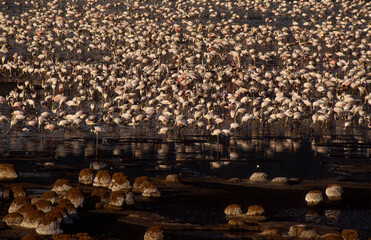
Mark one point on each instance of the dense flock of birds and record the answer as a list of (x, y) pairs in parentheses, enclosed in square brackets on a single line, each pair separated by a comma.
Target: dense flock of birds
[(214, 67)]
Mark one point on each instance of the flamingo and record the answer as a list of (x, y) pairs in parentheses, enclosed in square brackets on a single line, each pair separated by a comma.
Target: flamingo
[(51, 127), (217, 133), (97, 130)]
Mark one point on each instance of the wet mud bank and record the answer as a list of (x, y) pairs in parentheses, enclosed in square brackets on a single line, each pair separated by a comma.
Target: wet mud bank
[(195, 207)]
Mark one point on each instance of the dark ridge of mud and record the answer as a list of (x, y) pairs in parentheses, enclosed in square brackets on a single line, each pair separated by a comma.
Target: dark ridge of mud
[(195, 208)]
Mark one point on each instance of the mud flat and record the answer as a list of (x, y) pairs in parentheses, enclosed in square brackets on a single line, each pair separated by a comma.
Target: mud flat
[(193, 208)]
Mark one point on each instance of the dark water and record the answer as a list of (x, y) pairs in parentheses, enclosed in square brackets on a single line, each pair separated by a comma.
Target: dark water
[(38, 159), (197, 156)]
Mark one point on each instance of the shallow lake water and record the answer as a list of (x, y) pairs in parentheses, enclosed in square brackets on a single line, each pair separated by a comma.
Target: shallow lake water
[(192, 156), (41, 159)]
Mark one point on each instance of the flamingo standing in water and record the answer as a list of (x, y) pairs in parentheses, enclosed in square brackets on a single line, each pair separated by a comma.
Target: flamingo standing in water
[(50, 127), (96, 130), (217, 132)]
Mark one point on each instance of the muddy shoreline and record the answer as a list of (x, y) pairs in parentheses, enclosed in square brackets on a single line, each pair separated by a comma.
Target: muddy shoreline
[(194, 208)]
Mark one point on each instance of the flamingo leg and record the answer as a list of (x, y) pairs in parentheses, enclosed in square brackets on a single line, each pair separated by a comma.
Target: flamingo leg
[(51, 140), (96, 144)]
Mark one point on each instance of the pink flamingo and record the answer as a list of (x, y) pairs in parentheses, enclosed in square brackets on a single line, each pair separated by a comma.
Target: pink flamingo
[(50, 127)]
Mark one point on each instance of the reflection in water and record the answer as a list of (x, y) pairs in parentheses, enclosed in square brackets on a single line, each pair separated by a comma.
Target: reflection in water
[(219, 164), (31, 146), (162, 165), (233, 157), (162, 150), (97, 165), (116, 150), (137, 150), (89, 149), (313, 216), (332, 215), (60, 151), (180, 157), (76, 148)]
